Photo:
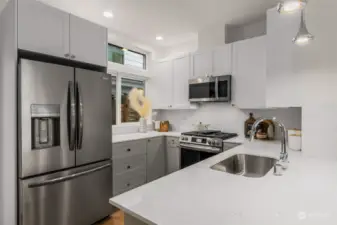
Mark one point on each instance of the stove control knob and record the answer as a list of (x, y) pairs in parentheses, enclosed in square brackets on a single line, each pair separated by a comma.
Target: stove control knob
[(209, 142), (213, 142)]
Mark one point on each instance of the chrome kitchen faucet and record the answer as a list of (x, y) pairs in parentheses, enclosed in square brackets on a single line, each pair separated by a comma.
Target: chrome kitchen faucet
[(284, 153)]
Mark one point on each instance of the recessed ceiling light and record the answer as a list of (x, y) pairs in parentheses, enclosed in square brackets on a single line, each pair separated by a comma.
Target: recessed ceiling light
[(108, 14), (159, 38)]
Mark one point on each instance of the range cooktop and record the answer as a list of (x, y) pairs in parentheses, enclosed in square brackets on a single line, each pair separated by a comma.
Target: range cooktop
[(211, 134)]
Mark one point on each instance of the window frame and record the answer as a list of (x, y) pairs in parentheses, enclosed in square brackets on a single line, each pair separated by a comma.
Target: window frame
[(125, 49), (119, 76)]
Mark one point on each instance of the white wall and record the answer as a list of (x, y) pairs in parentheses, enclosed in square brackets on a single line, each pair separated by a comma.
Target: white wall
[(211, 36), (315, 68)]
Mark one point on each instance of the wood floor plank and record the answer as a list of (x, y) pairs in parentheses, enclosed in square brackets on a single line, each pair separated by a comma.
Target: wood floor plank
[(115, 219)]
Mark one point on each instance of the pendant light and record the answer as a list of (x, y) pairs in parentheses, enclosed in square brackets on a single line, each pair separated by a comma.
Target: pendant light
[(303, 36), (290, 6)]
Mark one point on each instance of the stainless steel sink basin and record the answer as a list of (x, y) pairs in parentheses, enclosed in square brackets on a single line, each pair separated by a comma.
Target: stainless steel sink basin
[(246, 165)]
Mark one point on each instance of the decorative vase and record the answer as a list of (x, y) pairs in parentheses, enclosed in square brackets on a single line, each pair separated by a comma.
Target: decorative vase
[(143, 125)]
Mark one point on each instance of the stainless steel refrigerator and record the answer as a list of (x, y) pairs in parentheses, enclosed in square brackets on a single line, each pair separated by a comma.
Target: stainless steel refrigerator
[(64, 144)]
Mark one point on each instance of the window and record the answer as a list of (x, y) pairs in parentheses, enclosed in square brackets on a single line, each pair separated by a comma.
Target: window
[(127, 113), (123, 56), (121, 86)]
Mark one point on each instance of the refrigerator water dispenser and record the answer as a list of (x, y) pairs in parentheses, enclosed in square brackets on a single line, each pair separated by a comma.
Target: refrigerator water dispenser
[(45, 126)]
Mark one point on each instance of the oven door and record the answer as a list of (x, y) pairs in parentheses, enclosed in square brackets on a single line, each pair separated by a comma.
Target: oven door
[(202, 89), (189, 156)]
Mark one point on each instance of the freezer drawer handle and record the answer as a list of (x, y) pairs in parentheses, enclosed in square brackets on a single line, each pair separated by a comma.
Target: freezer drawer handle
[(71, 115), (80, 117), (65, 178)]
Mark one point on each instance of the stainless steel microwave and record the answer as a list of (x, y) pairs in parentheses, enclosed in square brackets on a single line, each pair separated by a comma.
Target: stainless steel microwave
[(210, 89)]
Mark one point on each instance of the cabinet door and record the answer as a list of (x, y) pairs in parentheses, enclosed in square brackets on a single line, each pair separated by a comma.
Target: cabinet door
[(181, 74), (202, 64), (222, 60), (159, 86), (156, 158), (173, 154), (249, 73), (88, 42), (43, 29), (281, 78)]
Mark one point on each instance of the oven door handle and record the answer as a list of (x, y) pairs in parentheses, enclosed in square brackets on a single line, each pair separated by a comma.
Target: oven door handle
[(200, 148)]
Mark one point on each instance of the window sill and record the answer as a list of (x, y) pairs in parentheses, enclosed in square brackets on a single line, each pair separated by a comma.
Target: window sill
[(133, 124)]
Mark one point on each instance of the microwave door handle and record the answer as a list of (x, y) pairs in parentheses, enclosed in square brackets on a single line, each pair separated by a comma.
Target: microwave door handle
[(80, 117), (69, 177), (71, 120), (216, 88)]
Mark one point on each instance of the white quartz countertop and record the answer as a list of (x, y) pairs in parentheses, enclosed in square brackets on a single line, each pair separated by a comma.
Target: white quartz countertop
[(137, 136), (306, 194)]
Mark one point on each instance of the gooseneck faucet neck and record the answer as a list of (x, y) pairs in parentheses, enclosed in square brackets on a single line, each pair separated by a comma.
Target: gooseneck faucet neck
[(283, 154)]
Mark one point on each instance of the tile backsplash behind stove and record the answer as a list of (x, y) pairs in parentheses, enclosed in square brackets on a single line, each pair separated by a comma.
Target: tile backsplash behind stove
[(228, 118)]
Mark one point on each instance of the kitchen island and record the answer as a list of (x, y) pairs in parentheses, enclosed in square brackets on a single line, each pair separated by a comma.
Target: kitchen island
[(197, 195)]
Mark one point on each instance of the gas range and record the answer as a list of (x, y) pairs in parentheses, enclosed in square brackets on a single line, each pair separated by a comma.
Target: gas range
[(208, 140)]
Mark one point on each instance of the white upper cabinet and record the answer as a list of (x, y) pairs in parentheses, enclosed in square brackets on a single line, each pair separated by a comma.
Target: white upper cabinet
[(181, 74), (43, 29), (202, 64), (159, 87), (222, 60), (168, 86), (47, 30), (213, 62), (88, 42), (249, 73), (281, 29)]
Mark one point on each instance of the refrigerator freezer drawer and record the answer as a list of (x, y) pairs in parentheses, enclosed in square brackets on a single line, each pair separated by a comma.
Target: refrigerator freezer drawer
[(79, 196)]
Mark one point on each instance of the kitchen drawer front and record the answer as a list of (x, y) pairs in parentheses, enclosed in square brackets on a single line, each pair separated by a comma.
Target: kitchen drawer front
[(172, 142), (126, 164), (128, 181), (129, 148)]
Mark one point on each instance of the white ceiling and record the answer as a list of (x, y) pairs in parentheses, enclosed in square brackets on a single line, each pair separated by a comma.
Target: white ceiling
[(176, 20)]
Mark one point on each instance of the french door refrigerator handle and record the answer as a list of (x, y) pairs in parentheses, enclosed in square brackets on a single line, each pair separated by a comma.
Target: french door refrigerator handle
[(69, 177), (80, 117), (71, 115)]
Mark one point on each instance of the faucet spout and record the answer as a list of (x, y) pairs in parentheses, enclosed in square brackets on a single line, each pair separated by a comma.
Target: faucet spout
[(284, 153)]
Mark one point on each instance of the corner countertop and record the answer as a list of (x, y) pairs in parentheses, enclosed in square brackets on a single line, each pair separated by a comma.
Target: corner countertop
[(306, 194), (137, 136)]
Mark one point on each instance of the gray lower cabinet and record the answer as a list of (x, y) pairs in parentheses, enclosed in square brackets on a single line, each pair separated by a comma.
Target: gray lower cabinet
[(138, 162), (172, 154), (155, 158), (129, 165)]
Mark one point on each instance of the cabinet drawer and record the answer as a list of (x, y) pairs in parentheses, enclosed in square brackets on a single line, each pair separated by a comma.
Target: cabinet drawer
[(129, 180), (172, 142), (126, 164), (129, 148)]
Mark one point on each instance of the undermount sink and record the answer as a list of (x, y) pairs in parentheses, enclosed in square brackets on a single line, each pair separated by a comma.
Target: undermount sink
[(246, 165)]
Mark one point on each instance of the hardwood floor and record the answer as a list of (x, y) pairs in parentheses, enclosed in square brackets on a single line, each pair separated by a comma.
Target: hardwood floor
[(116, 219)]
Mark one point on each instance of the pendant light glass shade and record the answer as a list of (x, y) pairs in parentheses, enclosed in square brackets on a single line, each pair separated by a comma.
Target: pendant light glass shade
[(303, 36), (291, 6)]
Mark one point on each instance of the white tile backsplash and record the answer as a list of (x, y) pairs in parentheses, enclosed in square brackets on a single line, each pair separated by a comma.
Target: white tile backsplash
[(227, 118)]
